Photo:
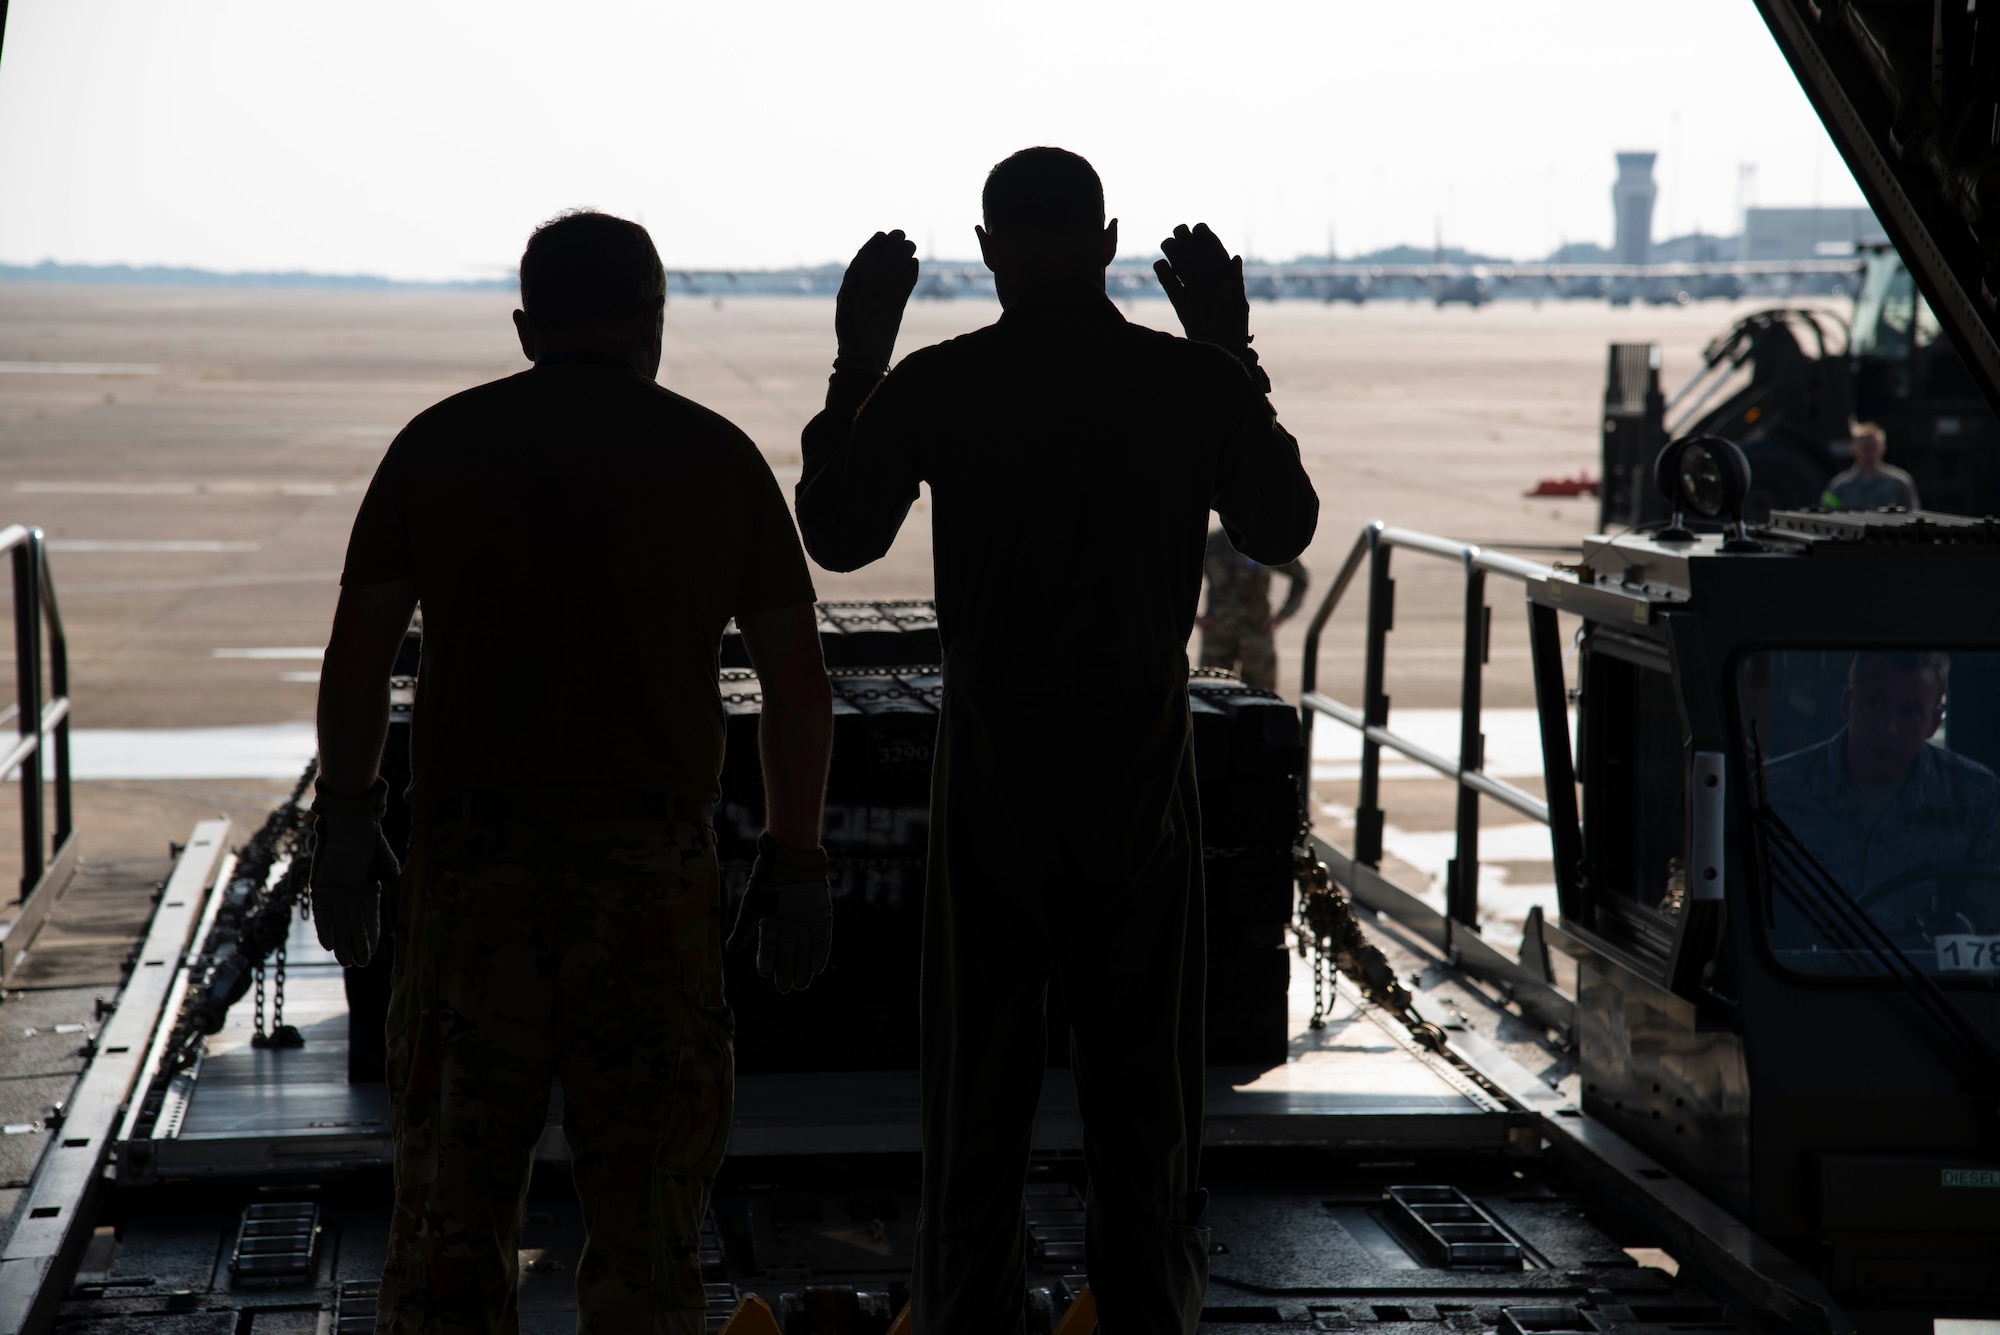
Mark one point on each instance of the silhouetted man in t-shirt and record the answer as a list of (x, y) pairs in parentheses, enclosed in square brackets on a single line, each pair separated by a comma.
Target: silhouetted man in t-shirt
[(1065, 840), (578, 536), (1870, 484)]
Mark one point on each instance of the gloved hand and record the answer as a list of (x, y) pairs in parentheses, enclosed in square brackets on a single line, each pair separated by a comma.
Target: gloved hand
[(873, 293), (792, 910), (351, 860), (1205, 283)]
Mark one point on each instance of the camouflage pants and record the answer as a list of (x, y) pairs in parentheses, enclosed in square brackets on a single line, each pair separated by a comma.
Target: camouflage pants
[(1243, 649), (584, 950)]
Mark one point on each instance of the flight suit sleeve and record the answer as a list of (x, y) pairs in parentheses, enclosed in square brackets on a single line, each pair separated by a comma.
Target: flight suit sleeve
[(1215, 555), (1265, 500), (861, 467)]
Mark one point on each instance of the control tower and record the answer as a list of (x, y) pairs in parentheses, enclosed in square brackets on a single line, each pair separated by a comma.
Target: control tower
[(1632, 198)]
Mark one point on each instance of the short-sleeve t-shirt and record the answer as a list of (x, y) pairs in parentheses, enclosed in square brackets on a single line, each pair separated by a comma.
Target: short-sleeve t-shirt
[(1887, 486), (579, 537)]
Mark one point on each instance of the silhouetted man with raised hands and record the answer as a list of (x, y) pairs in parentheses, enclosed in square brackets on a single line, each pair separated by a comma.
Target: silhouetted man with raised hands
[(1065, 840)]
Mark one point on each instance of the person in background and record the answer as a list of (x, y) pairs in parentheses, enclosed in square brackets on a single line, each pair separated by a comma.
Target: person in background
[(1871, 484), (1236, 628)]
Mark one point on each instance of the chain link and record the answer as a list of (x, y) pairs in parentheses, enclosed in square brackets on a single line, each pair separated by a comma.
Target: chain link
[(1322, 989), (278, 994), (1328, 927), (919, 683), (1316, 930), (1221, 682)]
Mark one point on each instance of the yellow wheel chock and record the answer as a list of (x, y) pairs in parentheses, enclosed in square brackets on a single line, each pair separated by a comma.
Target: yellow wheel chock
[(753, 1316)]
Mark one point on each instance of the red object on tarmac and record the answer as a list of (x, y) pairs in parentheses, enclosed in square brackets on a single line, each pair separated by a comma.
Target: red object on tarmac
[(1583, 484)]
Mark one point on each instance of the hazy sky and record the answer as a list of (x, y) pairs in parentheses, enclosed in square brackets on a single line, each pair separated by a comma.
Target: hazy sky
[(424, 138)]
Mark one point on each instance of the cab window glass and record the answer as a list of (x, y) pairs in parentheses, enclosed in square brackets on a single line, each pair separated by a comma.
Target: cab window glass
[(1885, 311), (1877, 809), (1633, 762), (1928, 330)]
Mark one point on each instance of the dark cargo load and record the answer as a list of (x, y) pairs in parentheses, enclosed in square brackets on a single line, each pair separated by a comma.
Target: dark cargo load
[(862, 1013), (863, 635)]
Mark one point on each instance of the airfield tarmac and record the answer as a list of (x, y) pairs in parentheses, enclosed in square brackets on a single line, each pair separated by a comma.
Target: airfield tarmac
[(196, 456)]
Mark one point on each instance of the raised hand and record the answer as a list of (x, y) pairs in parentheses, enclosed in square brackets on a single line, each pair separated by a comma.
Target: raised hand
[(1205, 283), (873, 293)]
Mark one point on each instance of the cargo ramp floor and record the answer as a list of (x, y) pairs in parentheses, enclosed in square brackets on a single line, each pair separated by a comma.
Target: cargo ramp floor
[(1320, 1171)]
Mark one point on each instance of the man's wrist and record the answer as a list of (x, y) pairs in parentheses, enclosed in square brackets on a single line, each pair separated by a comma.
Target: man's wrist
[(858, 372), (1248, 356), (851, 359), (784, 864), (371, 803), (847, 390)]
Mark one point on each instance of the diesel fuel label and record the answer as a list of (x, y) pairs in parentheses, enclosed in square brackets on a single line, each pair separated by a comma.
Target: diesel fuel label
[(1972, 1177)]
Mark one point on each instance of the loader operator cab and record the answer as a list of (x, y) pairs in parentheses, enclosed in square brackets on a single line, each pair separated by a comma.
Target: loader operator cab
[(1892, 321), (1771, 780), (1785, 915)]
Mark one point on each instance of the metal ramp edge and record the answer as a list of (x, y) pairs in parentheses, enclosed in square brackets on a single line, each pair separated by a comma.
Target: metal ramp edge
[(1696, 1229), (55, 1218)]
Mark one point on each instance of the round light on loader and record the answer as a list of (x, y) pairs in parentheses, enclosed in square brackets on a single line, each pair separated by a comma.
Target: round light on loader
[(1714, 476), (1705, 476)]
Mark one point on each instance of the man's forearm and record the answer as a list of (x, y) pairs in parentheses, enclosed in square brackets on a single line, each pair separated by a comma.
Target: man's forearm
[(368, 628), (1270, 509), (353, 725), (795, 741), (846, 391), (853, 494)]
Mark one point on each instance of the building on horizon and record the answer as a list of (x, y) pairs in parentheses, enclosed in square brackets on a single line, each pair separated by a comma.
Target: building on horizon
[(1632, 196), (1808, 234), (1697, 248)]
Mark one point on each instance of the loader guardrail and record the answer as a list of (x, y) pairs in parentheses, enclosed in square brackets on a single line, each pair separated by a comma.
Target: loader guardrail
[(41, 716), (1455, 931)]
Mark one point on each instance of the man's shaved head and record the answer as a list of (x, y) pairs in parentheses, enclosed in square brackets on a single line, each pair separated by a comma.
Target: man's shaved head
[(584, 268), (1044, 195)]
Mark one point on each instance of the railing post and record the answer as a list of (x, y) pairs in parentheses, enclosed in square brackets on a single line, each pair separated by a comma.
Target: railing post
[(1309, 664), (1374, 702), (1462, 888), (1552, 706), (28, 690), (58, 685)]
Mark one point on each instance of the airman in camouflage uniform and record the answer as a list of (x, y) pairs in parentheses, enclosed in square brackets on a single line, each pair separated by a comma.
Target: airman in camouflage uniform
[(560, 917), (515, 929), (1236, 627)]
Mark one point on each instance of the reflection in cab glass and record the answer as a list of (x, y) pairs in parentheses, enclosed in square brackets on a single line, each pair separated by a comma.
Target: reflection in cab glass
[(1879, 820)]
